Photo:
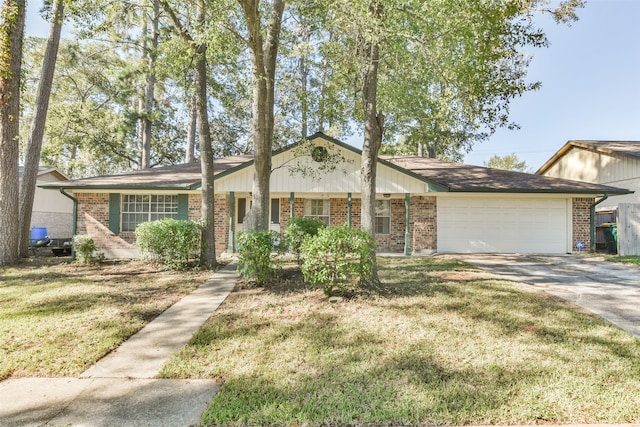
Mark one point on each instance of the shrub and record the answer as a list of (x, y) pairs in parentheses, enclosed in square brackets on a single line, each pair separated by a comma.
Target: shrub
[(254, 249), (337, 258), (83, 246), (299, 229), (169, 242)]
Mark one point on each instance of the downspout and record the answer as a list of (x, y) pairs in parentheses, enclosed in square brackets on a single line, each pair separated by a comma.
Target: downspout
[(592, 221), (407, 224), (231, 244), (349, 201), (74, 224)]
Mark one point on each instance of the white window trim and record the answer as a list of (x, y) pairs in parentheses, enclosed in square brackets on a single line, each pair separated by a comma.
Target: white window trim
[(149, 212), (388, 201)]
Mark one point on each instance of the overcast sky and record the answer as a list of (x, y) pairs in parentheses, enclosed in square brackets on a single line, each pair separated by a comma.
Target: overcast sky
[(590, 84)]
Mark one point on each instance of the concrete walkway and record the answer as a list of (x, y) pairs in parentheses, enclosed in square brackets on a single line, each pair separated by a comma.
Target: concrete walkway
[(121, 389), (610, 290)]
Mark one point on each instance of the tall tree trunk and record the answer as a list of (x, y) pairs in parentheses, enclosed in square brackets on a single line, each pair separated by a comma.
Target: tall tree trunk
[(34, 146), (11, 37), (190, 151), (263, 62), (150, 53), (208, 251), (373, 130)]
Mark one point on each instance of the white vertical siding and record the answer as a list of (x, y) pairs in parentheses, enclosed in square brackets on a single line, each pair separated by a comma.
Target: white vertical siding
[(589, 166), (344, 179)]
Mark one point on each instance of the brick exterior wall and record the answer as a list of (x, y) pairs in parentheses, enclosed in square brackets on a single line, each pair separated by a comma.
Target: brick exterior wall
[(221, 222), (423, 218), (93, 219), (581, 215)]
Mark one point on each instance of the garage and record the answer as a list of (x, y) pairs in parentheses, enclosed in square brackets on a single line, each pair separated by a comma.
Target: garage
[(494, 224)]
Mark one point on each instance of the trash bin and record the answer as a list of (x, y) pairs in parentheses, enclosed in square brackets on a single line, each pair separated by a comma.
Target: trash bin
[(610, 230)]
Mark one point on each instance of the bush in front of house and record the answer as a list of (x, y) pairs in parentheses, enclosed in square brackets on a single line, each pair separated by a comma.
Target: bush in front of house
[(83, 247), (300, 228), (338, 257), (172, 243), (254, 250)]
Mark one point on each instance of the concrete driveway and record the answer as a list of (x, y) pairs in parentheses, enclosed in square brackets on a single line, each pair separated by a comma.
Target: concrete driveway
[(607, 289)]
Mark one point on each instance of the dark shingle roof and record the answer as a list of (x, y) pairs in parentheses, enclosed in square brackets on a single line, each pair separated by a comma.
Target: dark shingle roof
[(459, 177), (442, 176), (183, 176)]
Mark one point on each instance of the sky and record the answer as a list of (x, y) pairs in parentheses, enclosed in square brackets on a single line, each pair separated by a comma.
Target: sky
[(590, 84)]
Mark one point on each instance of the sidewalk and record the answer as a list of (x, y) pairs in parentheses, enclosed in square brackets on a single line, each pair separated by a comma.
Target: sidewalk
[(121, 389)]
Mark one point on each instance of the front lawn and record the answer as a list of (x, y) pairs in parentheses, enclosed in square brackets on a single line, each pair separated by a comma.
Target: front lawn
[(439, 343), (59, 319), (631, 259)]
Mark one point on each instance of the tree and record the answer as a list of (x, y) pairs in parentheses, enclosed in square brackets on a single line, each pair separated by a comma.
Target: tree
[(263, 42), (34, 146), (509, 162), (149, 55), (458, 65), (11, 37), (199, 51)]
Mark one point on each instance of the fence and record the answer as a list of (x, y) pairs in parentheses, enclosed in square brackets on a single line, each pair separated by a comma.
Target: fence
[(629, 229)]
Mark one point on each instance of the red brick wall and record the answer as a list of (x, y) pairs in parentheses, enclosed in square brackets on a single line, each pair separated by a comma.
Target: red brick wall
[(221, 222), (93, 219), (423, 219), (581, 214)]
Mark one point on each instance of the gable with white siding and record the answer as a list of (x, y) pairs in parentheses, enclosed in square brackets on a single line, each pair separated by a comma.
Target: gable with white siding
[(345, 178)]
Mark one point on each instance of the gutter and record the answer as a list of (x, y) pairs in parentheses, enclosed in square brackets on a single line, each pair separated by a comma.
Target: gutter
[(592, 221), (74, 227)]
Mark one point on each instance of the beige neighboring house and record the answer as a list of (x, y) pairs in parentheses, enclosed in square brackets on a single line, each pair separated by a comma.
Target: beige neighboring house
[(51, 209), (423, 205), (614, 163)]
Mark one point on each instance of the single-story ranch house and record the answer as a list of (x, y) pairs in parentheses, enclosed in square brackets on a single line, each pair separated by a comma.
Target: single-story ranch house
[(423, 205)]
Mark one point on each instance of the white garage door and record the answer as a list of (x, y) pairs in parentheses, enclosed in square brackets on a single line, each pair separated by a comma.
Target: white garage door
[(502, 225)]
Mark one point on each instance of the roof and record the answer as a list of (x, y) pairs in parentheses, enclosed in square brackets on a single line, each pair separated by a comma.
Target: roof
[(441, 176), (619, 148), (42, 170), (186, 176), (458, 177)]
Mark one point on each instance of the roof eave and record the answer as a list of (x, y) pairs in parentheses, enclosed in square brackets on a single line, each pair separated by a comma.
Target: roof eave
[(186, 187), (620, 192)]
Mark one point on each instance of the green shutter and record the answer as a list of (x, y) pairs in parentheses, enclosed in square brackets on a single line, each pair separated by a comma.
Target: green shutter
[(183, 206), (114, 213)]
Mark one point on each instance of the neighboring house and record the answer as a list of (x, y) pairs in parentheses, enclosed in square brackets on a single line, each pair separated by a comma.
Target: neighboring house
[(51, 209), (423, 205), (615, 163)]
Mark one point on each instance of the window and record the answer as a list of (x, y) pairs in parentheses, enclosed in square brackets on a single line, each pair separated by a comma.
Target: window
[(242, 209), (275, 211), (383, 217), (318, 208), (139, 208)]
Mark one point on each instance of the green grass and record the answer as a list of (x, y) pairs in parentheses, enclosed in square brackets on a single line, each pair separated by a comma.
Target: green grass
[(438, 343), (59, 319), (624, 259)]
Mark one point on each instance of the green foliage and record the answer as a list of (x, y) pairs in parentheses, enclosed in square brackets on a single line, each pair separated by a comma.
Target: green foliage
[(338, 257), (299, 229), (169, 242), (84, 246), (254, 248), (510, 162)]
